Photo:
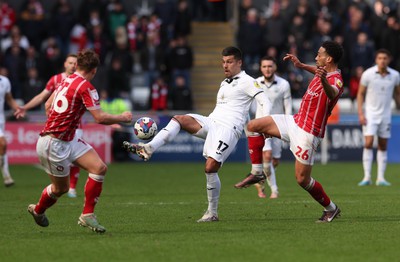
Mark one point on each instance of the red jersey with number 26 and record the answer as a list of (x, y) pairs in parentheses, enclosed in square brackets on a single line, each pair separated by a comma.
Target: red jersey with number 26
[(71, 99), (315, 107)]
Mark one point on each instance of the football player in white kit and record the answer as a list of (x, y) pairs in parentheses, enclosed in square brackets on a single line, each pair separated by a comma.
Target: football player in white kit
[(5, 95), (377, 86), (265, 156), (221, 130)]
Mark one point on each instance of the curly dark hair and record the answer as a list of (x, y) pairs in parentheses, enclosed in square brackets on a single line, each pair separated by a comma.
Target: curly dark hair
[(334, 50), (87, 60)]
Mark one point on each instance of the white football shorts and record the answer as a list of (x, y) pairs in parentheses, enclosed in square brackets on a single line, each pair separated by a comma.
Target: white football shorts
[(220, 141), (56, 156), (274, 144), (381, 130), (302, 144)]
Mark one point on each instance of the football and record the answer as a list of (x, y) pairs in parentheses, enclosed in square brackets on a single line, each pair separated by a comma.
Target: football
[(145, 128)]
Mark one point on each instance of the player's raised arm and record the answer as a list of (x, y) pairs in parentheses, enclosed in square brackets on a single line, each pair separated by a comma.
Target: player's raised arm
[(296, 62)]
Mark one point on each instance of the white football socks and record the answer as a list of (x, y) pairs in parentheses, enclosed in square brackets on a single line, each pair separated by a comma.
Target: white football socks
[(167, 134), (381, 159), (367, 159), (213, 191)]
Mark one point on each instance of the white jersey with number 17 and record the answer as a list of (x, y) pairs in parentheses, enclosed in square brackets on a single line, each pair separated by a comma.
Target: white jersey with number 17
[(233, 101)]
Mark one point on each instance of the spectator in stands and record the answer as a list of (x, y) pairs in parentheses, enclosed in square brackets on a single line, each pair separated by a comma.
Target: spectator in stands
[(118, 79), (98, 41), (276, 29), (115, 16), (52, 57), (244, 7), (159, 95), (377, 21), (183, 22), (32, 86), (181, 96), (355, 25), (153, 28), (166, 11), (33, 59), (7, 18), (181, 59), (87, 7), (218, 10), (78, 38), (121, 51), (61, 23), (200, 10), (249, 38), (152, 60), (390, 39), (32, 22), (132, 27), (362, 52), (15, 36), (14, 61), (355, 82)]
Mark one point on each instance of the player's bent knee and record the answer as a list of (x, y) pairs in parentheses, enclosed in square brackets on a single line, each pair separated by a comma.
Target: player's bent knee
[(60, 190), (212, 166)]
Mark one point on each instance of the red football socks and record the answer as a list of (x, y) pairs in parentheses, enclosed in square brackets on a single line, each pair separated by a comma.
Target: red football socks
[(93, 190), (47, 199), (255, 144), (317, 192), (73, 176)]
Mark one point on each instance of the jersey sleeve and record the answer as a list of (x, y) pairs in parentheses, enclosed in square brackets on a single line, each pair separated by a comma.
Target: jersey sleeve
[(50, 85), (90, 97), (253, 88), (336, 82), (287, 99), (7, 84), (364, 79)]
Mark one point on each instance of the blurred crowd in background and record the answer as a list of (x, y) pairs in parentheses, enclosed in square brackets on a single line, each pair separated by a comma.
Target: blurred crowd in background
[(153, 42), (300, 26)]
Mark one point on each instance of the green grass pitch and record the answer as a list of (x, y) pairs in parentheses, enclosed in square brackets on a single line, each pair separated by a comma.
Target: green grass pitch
[(150, 212)]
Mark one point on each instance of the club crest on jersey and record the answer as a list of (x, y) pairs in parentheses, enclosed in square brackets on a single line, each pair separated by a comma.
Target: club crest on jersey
[(256, 84), (339, 83), (94, 94)]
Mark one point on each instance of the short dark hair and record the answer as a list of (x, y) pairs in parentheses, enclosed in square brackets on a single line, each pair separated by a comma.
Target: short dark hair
[(87, 60), (383, 51), (71, 55), (231, 50), (268, 58), (334, 50)]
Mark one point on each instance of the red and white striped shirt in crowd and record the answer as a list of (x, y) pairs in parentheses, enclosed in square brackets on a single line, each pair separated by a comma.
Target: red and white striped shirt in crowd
[(72, 98), (316, 107)]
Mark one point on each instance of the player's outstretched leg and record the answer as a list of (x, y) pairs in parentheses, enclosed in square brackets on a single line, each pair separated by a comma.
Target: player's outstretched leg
[(250, 179), (145, 151)]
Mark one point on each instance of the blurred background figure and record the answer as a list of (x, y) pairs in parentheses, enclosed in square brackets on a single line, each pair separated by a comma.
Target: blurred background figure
[(181, 96)]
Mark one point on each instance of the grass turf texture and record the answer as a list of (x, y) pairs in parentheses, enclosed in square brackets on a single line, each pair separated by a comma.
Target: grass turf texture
[(150, 212)]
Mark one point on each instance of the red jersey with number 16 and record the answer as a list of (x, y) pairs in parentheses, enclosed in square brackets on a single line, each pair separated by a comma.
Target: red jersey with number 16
[(315, 107), (71, 99)]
